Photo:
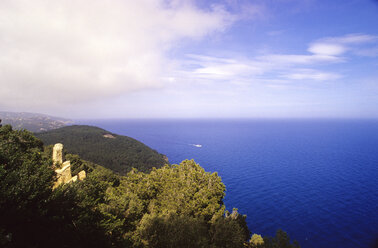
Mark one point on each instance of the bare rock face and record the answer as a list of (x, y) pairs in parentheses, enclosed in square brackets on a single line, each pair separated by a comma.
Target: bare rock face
[(63, 174), (73, 179), (63, 171), (109, 136), (57, 154), (81, 175)]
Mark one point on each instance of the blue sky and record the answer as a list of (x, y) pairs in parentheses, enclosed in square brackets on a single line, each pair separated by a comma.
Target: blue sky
[(190, 59)]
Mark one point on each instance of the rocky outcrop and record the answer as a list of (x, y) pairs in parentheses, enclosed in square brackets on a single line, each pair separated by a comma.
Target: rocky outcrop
[(57, 156), (81, 175), (63, 174), (63, 170)]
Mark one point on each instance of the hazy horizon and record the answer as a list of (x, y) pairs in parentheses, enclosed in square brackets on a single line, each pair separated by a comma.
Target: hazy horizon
[(79, 120)]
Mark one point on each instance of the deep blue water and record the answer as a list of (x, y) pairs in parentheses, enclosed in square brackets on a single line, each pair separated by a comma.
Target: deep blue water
[(315, 179)]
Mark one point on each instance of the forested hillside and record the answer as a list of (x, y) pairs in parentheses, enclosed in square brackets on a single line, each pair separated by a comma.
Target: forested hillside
[(116, 152)]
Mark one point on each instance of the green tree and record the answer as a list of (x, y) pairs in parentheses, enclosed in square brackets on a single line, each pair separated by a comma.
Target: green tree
[(281, 240), (149, 209), (172, 231), (34, 215), (256, 241), (186, 189), (26, 181), (229, 231)]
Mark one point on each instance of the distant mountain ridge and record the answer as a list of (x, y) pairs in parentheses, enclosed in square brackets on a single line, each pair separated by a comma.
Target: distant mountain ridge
[(116, 152), (33, 122)]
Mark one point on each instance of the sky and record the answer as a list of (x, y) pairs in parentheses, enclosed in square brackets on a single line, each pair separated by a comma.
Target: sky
[(190, 59)]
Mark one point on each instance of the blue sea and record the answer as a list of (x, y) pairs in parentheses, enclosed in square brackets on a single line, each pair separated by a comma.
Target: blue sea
[(315, 179)]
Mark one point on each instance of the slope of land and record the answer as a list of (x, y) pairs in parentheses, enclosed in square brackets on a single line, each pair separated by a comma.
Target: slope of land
[(32, 121), (116, 152)]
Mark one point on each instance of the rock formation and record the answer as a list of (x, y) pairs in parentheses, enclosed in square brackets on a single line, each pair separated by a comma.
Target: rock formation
[(63, 174), (57, 154), (81, 175), (63, 170)]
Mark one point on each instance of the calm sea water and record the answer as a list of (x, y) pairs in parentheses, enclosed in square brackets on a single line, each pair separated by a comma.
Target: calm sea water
[(315, 179)]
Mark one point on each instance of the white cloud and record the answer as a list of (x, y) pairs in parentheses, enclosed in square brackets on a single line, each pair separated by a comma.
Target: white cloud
[(264, 69), (327, 49), (73, 51), (222, 68), (292, 59), (351, 39), (307, 74), (334, 46)]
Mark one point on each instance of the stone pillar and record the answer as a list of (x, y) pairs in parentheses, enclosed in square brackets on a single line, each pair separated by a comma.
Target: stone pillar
[(58, 154)]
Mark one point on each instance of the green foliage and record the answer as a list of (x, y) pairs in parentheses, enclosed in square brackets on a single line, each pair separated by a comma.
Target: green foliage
[(73, 218), (172, 231), (256, 241), (281, 240), (173, 206), (118, 153), (188, 190), (31, 213), (241, 220), (25, 185), (226, 233), (231, 231), (78, 164)]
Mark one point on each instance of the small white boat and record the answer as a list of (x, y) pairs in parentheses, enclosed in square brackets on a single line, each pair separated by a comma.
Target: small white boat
[(197, 145)]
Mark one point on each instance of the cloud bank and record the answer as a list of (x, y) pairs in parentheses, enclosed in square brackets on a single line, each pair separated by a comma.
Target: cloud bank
[(71, 51)]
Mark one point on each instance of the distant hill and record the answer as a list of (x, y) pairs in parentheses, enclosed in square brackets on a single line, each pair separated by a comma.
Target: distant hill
[(116, 152), (32, 121)]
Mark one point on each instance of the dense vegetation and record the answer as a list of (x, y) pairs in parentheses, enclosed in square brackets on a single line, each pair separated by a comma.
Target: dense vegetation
[(116, 152), (174, 206)]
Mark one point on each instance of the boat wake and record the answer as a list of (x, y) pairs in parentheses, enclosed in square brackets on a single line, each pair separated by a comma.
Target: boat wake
[(196, 145)]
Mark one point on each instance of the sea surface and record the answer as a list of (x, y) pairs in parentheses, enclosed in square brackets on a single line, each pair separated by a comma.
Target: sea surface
[(315, 179)]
